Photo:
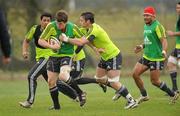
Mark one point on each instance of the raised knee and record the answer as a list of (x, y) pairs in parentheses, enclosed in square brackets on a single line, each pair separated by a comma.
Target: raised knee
[(51, 83), (101, 79), (155, 83), (31, 77)]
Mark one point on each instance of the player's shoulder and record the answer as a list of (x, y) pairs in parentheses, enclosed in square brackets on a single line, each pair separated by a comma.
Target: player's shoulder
[(34, 26), (158, 23), (159, 26)]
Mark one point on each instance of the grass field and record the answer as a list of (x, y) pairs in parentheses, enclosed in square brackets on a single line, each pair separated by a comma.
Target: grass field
[(98, 103)]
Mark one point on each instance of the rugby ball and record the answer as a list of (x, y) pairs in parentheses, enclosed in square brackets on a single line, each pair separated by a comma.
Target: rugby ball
[(53, 40)]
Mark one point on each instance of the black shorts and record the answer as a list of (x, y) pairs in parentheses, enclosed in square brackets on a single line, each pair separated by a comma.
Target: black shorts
[(54, 63), (77, 69), (78, 65), (111, 64), (176, 53), (152, 65)]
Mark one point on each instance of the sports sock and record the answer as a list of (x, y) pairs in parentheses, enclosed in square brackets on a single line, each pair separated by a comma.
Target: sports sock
[(74, 85), (109, 84), (164, 87), (143, 92), (173, 76), (66, 89), (124, 92), (85, 80), (54, 95)]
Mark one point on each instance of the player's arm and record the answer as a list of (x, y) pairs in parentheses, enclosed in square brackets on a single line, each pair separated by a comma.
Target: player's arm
[(160, 31), (43, 40), (78, 42), (28, 38), (171, 33), (44, 43), (164, 46), (25, 47), (77, 33), (138, 48)]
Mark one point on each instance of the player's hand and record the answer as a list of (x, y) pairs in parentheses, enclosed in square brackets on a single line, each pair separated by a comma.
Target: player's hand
[(63, 38), (25, 55), (164, 54), (170, 33), (55, 46), (6, 60), (100, 50), (138, 48)]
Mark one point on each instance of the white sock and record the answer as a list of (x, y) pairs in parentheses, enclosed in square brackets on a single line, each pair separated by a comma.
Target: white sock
[(129, 98)]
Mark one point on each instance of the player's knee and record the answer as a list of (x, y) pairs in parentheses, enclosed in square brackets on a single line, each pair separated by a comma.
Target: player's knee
[(172, 61), (155, 82), (65, 73), (179, 63), (101, 79), (31, 77), (113, 79), (51, 83)]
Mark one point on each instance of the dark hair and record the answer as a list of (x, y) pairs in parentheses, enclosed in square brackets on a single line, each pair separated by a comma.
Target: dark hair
[(46, 14), (88, 16), (178, 3), (62, 16)]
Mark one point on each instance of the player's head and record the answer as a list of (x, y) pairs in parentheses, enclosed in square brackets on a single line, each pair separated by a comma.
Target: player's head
[(149, 14), (86, 19), (178, 8), (61, 18), (45, 19)]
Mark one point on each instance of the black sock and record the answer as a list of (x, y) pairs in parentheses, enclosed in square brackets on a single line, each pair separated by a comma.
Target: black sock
[(85, 80), (173, 79), (74, 85), (54, 95), (66, 89), (164, 87), (109, 84), (123, 91), (143, 92)]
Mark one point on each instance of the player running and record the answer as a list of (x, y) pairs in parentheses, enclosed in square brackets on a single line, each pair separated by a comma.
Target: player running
[(59, 63), (39, 68), (111, 59), (78, 67), (154, 47), (174, 58)]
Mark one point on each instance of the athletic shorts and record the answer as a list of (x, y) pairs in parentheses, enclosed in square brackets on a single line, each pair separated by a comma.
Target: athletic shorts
[(78, 65), (152, 65), (111, 64), (77, 69), (54, 63), (176, 53)]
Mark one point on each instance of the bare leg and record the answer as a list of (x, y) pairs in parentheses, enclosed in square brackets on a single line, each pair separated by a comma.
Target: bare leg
[(138, 70)]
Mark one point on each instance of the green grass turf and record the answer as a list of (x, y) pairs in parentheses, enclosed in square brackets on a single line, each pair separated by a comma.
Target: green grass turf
[(98, 103)]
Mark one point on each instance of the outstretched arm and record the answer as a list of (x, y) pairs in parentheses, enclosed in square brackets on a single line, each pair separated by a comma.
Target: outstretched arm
[(171, 33)]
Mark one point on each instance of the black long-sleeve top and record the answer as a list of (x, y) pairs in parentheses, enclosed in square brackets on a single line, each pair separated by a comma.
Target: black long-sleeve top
[(4, 36)]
